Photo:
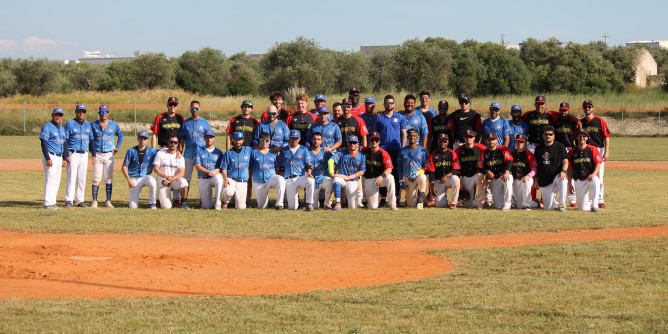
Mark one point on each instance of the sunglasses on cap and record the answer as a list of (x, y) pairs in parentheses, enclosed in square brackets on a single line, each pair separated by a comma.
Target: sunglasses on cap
[(194, 108), (172, 142)]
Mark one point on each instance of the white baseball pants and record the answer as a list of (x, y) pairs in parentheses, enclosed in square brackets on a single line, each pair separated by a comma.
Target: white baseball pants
[(175, 185), (522, 192), (76, 177), (238, 190), (442, 191), (554, 195), (52, 178), (351, 193), (206, 196), (261, 191), (292, 186), (474, 185), (412, 189), (371, 190), (502, 192), (103, 167), (325, 185), (141, 182), (601, 172), (586, 189)]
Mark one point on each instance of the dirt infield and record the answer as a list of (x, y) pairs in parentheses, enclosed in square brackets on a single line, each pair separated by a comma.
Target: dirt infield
[(28, 165), (97, 266)]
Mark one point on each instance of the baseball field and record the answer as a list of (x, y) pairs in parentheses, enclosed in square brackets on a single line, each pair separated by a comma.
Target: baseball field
[(355, 271)]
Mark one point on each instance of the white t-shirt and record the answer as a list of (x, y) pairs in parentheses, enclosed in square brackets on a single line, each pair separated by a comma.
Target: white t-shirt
[(168, 163)]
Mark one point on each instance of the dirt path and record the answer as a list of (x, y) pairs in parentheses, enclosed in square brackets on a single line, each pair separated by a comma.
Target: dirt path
[(97, 266), (13, 165)]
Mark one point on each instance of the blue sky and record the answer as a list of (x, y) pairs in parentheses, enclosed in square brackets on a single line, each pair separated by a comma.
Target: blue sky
[(64, 29)]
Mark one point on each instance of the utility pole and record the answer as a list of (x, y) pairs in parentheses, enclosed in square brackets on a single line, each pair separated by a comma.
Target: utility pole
[(503, 40), (605, 38)]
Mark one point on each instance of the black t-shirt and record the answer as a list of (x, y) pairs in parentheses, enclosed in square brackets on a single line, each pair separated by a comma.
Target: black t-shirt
[(349, 127), (301, 122), (549, 159), (584, 161), (564, 129), (442, 163), (166, 127), (245, 125), (598, 130), (376, 163), (469, 159), (141, 154), (463, 121), (438, 126)]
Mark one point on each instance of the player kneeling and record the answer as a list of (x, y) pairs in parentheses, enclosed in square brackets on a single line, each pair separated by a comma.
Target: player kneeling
[(351, 166), (206, 161), (586, 161), (137, 168), (411, 163), (444, 164), (234, 168), (523, 171), (170, 166), (378, 174), (263, 164)]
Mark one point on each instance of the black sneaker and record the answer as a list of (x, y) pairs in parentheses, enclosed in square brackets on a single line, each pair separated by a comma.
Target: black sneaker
[(68, 205), (382, 203), (309, 207), (279, 207), (81, 205)]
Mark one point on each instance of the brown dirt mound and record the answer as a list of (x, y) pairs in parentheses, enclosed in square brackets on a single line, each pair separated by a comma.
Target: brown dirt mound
[(97, 266)]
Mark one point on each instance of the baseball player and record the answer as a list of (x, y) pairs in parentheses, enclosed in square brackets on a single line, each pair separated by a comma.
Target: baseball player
[(323, 182), (78, 141), (244, 123), (497, 124), (301, 120), (552, 171), (464, 119), (356, 108), (104, 131), (439, 124), (537, 120), (235, 169), (137, 168), (599, 136), (278, 131), (565, 128), (263, 164), (350, 166), (517, 125), (496, 162), (277, 99), (207, 160), (392, 129), (330, 132), (585, 160), (523, 172), (369, 115), (351, 125), (443, 166), (427, 111), (170, 168), (319, 101), (411, 163), (296, 162), (52, 140), (378, 174), (471, 179), (415, 120), (167, 124), (191, 136)]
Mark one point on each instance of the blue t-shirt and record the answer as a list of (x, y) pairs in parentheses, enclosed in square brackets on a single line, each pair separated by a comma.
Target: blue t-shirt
[(419, 123), (209, 160), (104, 139), (410, 160), (522, 127), (370, 121), (237, 164), (389, 129), (192, 131), (499, 126), (331, 134), (348, 164), (54, 135), (263, 165), (78, 135), (294, 164), (138, 169), (279, 134)]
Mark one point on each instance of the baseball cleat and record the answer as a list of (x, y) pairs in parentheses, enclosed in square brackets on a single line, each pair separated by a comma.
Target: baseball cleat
[(224, 206), (337, 207), (81, 205), (51, 207), (601, 205), (279, 207), (393, 207), (109, 205), (176, 203), (68, 205), (309, 207), (594, 209), (453, 206), (152, 206), (184, 205), (562, 209), (93, 204), (218, 207), (574, 205), (420, 206)]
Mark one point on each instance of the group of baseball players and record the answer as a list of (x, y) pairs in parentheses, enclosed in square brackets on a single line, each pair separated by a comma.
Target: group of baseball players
[(350, 155)]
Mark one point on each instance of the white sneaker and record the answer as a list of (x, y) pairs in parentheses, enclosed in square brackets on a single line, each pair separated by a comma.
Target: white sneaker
[(219, 207), (93, 204), (393, 207), (420, 206), (109, 205)]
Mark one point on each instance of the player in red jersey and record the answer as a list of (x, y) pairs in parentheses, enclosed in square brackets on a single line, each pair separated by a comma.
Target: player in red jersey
[(167, 124), (585, 161), (496, 164), (537, 119), (470, 176), (443, 167), (599, 136), (244, 123)]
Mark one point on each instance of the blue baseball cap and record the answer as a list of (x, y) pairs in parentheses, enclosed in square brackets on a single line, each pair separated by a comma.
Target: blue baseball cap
[(370, 99), (353, 139), (80, 107), (57, 110), (323, 110), (104, 109), (320, 97), (143, 134), (516, 107), (238, 135), (496, 105), (210, 133), (295, 134)]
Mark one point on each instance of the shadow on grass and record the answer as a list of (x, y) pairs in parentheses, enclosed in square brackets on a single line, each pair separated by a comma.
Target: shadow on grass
[(551, 314), (22, 204)]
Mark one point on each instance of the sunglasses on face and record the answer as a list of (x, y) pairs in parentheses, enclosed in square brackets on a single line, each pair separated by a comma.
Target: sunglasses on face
[(375, 140), (588, 107), (264, 140), (194, 108), (172, 105), (389, 103), (171, 142), (548, 134)]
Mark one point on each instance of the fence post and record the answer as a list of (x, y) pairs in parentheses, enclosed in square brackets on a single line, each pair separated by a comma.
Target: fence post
[(25, 110), (622, 121), (658, 124)]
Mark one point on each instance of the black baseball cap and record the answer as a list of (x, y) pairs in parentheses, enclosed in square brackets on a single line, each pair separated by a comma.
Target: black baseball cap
[(469, 133), (172, 100), (443, 103), (443, 137)]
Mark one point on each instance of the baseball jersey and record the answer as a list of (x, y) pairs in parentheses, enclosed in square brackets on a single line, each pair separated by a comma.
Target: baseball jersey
[(524, 163), (500, 126), (462, 121), (469, 159), (54, 136), (416, 121), (565, 129), (294, 164), (348, 164), (549, 159), (598, 130), (192, 132), (245, 125), (331, 134), (301, 122), (427, 114), (497, 161), (237, 163), (438, 126), (521, 127), (410, 160), (165, 127), (278, 132), (209, 159), (78, 136), (282, 115), (441, 163), (263, 165), (352, 126), (140, 163), (369, 121), (390, 129), (376, 162), (356, 111), (536, 123), (320, 163), (168, 162), (104, 139), (584, 161)]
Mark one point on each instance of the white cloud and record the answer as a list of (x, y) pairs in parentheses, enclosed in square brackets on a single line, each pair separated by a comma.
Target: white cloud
[(37, 47)]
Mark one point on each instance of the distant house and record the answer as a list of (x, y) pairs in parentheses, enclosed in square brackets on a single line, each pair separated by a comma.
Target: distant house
[(102, 61), (370, 50), (649, 44), (646, 68)]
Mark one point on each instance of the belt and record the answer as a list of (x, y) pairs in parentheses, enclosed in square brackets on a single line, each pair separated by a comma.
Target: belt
[(239, 180), (583, 179), (291, 176), (104, 152), (204, 177), (80, 152), (56, 154)]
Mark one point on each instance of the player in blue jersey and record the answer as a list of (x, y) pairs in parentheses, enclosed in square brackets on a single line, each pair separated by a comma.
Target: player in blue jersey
[(331, 133), (52, 140), (104, 131), (263, 165), (411, 163), (137, 168), (191, 137), (415, 120), (207, 160), (350, 166), (369, 115), (391, 126), (323, 182), (278, 131), (517, 125), (497, 124), (235, 169), (79, 141), (296, 163)]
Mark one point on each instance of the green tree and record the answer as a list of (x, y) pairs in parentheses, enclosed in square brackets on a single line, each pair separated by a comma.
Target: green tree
[(380, 72), (624, 60), (205, 72), (245, 75), (120, 75), (542, 58), (422, 66), (153, 70), (467, 70), (504, 73), (37, 76), (7, 78), (84, 76), (352, 70)]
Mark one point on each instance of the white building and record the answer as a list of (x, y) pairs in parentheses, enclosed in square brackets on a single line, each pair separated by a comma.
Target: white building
[(649, 44)]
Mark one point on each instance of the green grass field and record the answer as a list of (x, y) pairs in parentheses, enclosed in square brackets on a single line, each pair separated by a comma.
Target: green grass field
[(606, 286)]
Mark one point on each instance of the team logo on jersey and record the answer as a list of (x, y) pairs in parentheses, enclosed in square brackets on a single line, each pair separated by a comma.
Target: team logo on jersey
[(415, 121), (245, 157), (396, 120), (546, 158), (299, 156)]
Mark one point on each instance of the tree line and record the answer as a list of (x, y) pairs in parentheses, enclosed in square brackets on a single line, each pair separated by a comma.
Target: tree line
[(433, 64)]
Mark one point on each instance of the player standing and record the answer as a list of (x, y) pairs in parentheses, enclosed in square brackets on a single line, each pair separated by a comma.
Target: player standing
[(356, 107), (104, 131), (191, 136), (52, 140), (415, 120), (351, 125), (599, 136), (538, 119), (464, 119), (330, 132), (79, 140), (301, 120), (167, 124), (425, 109), (278, 131), (137, 168), (207, 160), (369, 116), (277, 99), (243, 123), (517, 125), (497, 124)]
